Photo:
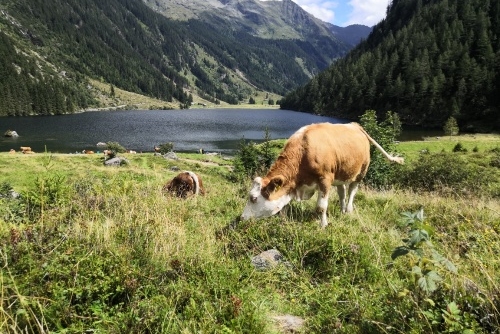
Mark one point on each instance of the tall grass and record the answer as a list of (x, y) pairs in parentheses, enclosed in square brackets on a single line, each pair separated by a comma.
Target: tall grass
[(108, 252)]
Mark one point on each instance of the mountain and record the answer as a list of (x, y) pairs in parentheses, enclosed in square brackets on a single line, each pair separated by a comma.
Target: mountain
[(351, 35), (279, 19), (429, 60), (59, 56)]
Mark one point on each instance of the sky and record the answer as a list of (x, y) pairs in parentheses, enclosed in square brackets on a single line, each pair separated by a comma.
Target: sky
[(346, 12)]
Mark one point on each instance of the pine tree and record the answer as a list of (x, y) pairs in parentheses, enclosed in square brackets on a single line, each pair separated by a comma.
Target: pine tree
[(450, 128)]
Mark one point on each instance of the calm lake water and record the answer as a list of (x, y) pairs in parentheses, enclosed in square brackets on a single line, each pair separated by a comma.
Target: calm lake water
[(214, 130)]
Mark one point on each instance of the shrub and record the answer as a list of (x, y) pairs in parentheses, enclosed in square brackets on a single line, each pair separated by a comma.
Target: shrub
[(459, 148), (381, 173), (450, 128), (252, 159), (12, 209), (444, 172), (495, 160), (246, 162), (166, 147), (115, 147), (49, 191), (5, 189)]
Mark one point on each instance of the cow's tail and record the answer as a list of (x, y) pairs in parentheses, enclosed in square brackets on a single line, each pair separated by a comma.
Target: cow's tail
[(196, 182), (389, 157)]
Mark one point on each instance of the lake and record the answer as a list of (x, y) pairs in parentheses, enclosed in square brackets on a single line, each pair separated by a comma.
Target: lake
[(214, 130)]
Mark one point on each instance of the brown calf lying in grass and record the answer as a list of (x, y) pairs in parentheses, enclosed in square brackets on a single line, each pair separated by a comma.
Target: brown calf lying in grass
[(185, 184)]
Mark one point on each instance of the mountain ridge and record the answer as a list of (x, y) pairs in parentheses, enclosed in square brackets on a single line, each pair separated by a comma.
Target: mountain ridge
[(427, 61), (128, 45)]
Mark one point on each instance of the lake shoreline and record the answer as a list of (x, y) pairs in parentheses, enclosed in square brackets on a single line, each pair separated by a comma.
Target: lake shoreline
[(211, 129)]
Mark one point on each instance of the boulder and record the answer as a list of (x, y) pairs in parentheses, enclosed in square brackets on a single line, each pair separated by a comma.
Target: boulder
[(117, 161), (171, 155), (268, 259), (10, 194)]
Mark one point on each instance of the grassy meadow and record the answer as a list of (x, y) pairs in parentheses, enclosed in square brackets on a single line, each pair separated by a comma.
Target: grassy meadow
[(88, 248)]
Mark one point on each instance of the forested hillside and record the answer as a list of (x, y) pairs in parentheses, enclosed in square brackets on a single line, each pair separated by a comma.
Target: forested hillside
[(427, 61), (51, 48), (26, 89)]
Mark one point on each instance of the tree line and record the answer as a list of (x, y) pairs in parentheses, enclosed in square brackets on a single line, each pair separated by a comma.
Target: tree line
[(128, 45), (428, 60)]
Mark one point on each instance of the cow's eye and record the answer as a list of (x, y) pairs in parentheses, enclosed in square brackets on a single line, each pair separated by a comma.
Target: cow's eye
[(253, 199)]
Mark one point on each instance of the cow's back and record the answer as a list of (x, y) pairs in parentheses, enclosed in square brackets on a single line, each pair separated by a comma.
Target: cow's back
[(338, 149)]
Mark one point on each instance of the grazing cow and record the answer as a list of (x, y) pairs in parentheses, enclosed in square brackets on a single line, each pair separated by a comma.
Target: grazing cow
[(25, 149), (184, 184), (87, 152), (12, 151), (316, 157)]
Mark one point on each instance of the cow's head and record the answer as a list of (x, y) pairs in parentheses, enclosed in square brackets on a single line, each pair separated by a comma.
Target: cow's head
[(265, 198)]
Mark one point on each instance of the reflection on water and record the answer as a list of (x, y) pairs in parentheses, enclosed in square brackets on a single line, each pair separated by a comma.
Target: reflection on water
[(189, 130)]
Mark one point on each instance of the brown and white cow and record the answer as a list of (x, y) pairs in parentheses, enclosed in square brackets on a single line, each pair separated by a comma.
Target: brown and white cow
[(25, 149), (184, 184), (315, 157)]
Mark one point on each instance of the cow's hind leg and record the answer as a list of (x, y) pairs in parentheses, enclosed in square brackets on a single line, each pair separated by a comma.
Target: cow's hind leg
[(353, 188), (341, 192)]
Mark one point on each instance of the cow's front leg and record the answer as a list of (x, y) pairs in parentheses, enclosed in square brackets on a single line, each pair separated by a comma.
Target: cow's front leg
[(323, 207), (323, 194)]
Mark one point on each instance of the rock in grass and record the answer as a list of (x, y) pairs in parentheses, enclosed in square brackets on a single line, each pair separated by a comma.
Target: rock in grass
[(117, 161), (171, 156), (268, 259), (289, 323)]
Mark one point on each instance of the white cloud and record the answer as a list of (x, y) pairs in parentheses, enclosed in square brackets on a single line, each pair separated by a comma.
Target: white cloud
[(367, 12), (323, 10), (346, 12)]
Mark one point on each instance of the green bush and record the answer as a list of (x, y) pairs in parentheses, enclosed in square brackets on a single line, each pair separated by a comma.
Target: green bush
[(444, 172), (165, 148), (115, 147), (495, 161), (381, 173), (5, 189), (252, 159), (49, 191), (459, 148), (246, 162)]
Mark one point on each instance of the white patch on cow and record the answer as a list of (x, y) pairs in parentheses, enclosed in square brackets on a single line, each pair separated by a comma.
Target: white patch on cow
[(196, 182), (353, 188), (258, 206), (323, 206)]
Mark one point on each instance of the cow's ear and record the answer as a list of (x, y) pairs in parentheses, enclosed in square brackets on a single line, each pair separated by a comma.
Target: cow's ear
[(274, 185)]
